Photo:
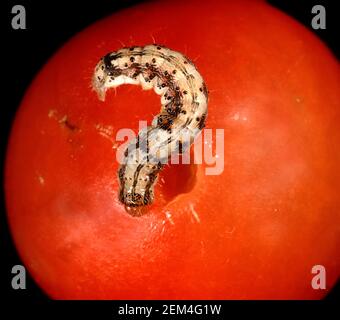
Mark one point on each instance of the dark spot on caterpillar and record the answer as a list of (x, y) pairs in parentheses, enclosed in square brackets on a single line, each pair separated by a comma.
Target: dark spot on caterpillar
[(174, 71), (152, 178), (147, 197), (147, 64), (197, 119), (164, 122), (153, 60), (201, 123), (187, 122), (163, 85), (121, 173), (159, 166), (111, 57), (126, 65), (205, 90), (166, 73), (121, 195), (158, 48), (109, 68), (185, 92), (169, 130), (136, 175), (132, 59), (184, 112), (134, 76)]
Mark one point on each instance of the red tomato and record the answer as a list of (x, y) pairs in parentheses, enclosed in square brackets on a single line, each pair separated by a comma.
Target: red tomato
[(255, 231)]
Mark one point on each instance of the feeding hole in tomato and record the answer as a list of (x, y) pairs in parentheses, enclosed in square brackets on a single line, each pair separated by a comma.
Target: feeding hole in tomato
[(175, 180)]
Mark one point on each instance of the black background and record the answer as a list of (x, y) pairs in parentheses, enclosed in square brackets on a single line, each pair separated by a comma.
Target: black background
[(49, 25)]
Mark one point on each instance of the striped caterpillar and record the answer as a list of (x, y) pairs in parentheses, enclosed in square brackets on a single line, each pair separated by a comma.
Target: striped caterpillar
[(184, 98)]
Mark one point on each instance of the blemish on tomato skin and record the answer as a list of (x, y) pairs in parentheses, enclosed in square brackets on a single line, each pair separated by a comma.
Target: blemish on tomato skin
[(229, 233), (169, 217), (41, 179), (105, 131), (52, 113), (68, 124), (298, 100), (62, 120), (194, 213), (163, 228), (237, 116)]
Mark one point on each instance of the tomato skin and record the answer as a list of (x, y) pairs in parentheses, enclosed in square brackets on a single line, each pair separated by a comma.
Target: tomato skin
[(262, 224)]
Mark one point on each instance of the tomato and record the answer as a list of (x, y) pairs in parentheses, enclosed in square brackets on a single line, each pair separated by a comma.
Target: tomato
[(254, 231)]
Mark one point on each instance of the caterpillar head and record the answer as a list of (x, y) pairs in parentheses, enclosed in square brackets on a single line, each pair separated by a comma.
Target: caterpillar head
[(133, 199), (105, 76)]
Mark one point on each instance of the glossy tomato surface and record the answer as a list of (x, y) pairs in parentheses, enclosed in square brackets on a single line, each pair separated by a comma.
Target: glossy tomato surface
[(254, 231)]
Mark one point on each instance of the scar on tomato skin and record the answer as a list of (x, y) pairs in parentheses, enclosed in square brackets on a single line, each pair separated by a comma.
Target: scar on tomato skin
[(52, 113), (63, 120), (230, 231), (105, 131), (169, 217), (194, 213), (41, 179)]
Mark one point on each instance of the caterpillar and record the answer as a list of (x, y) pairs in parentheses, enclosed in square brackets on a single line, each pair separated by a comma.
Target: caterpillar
[(184, 101)]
